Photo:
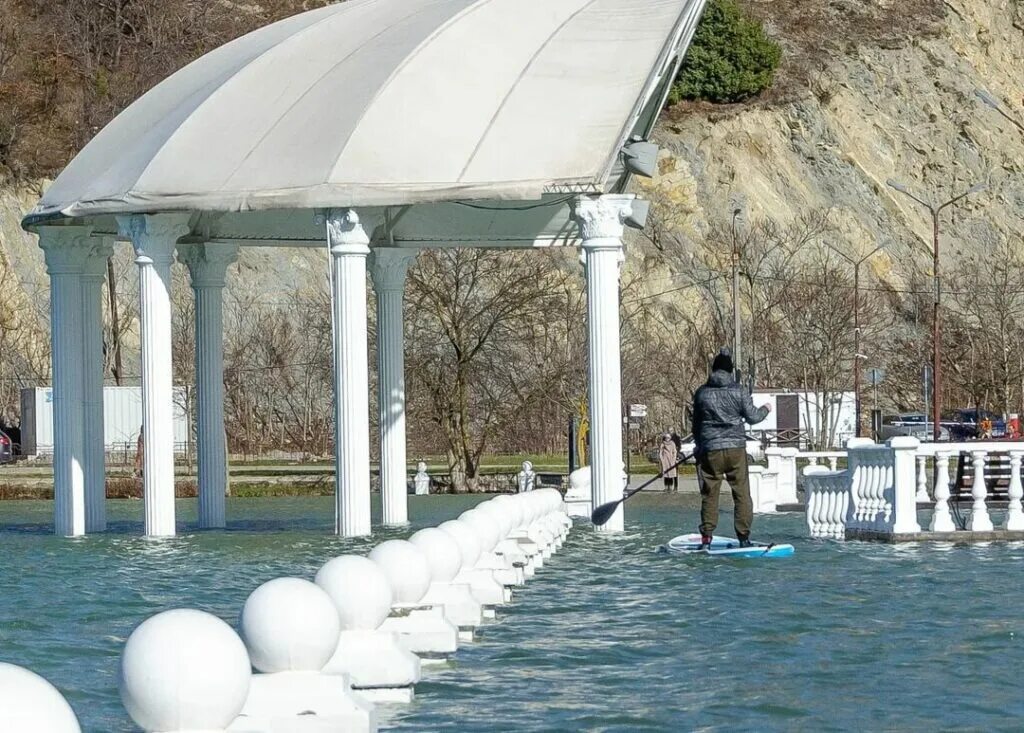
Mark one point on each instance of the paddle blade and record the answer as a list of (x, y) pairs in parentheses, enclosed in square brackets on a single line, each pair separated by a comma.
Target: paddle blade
[(603, 513)]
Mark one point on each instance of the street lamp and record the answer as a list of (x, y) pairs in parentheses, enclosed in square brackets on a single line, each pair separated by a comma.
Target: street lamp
[(994, 104), (936, 333), (856, 323)]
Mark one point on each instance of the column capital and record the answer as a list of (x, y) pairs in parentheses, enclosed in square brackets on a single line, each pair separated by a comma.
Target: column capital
[(95, 267), (154, 235), (345, 233), (602, 219), (66, 248), (389, 266), (207, 263)]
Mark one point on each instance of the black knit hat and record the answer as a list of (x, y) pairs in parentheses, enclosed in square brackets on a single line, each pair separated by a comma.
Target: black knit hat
[(722, 362)]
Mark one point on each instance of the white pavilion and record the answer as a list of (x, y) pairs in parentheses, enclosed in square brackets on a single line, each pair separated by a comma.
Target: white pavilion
[(373, 128)]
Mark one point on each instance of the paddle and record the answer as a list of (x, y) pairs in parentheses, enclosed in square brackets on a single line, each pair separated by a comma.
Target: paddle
[(603, 513)]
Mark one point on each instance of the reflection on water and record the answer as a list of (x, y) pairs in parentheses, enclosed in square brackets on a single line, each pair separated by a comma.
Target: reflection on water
[(609, 635)]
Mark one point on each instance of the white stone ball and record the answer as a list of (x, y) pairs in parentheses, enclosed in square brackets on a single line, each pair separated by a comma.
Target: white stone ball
[(30, 703), (513, 505), (406, 568), (487, 530), (465, 538), (443, 554), (359, 589), (289, 625), (184, 670), (500, 516)]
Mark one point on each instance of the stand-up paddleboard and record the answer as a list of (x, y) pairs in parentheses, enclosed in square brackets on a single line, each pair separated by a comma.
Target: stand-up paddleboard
[(689, 544)]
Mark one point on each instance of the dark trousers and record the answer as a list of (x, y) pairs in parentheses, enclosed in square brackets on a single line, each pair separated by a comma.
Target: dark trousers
[(671, 483), (713, 467)]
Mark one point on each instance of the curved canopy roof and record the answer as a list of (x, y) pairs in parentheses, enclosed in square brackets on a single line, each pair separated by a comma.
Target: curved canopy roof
[(380, 102)]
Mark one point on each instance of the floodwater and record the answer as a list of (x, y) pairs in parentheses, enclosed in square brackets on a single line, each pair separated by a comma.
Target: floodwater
[(609, 636)]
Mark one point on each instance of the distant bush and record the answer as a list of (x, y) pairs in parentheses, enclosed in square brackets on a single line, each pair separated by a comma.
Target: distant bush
[(730, 58)]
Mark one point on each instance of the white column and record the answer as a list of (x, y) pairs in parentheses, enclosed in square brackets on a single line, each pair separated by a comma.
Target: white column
[(601, 226), (154, 238), (1014, 511), (941, 519), (349, 248), (93, 275), (388, 268), (65, 250), (922, 479), (904, 501), (980, 521), (207, 267)]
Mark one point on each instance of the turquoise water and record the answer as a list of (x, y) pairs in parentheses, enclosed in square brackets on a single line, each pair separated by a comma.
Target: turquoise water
[(609, 635)]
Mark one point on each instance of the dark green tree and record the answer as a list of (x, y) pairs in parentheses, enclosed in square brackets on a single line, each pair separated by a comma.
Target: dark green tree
[(730, 59)]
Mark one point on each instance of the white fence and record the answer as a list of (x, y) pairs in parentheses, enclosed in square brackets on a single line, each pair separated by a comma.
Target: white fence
[(882, 485)]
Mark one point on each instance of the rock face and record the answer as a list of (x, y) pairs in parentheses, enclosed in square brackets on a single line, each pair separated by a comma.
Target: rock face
[(908, 113)]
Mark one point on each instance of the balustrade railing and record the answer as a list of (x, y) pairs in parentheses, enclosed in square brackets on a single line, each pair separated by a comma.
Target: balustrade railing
[(882, 486)]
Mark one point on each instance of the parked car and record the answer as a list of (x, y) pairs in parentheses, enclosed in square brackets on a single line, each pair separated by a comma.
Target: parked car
[(6, 448), (963, 424), (913, 424)]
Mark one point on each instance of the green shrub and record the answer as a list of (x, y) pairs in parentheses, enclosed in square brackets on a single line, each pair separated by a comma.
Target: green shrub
[(730, 58)]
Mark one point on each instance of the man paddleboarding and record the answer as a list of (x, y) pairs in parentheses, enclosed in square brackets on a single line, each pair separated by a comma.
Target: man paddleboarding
[(721, 408)]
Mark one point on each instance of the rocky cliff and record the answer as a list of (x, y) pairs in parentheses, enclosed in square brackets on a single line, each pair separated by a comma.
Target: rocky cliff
[(908, 112)]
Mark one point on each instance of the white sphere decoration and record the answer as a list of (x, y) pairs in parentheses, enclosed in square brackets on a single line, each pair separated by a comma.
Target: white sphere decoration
[(465, 538), (359, 589), (406, 569), (30, 703), (442, 552), (513, 506), (289, 625), (184, 670), (487, 530), (501, 517)]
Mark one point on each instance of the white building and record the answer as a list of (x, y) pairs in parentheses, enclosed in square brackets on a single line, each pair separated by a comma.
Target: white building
[(798, 415), (122, 418)]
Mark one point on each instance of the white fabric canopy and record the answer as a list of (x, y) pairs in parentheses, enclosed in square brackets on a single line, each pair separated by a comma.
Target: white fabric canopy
[(379, 102)]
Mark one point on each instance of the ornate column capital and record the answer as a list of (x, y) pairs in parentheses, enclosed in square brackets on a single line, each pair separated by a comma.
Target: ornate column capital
[(95, 267), (389, 266), (345, 233), (66, 248), (154, 235), (602, 219), (207, 263)]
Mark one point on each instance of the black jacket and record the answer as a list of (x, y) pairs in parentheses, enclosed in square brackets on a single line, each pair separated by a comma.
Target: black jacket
[(720, 409)]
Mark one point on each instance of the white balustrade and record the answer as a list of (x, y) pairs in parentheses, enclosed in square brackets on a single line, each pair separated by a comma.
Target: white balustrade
[(1014, 512), (828, 494), (922, 479), (980, 520), (942, 520)]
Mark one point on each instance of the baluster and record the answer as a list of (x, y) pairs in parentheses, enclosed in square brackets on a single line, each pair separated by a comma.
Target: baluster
[(812, 505), (1014, 511), (888, 483), (856, 493), (877, 492), (812, 460), (829, 506), (833, 463), (942, 521), (980, 520), (922, 480), (844, 504)]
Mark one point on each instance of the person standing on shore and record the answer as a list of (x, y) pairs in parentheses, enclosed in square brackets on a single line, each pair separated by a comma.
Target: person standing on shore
[(721, 410), (668, 457)]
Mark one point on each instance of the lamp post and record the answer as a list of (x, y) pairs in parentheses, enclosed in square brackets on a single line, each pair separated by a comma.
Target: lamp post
[(856, 324), (737, 326), (935, 211), (994, 104)]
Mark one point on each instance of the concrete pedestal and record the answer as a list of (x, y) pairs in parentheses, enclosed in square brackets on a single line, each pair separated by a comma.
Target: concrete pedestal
[(277, 702), (424, 631), (379, 669)]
